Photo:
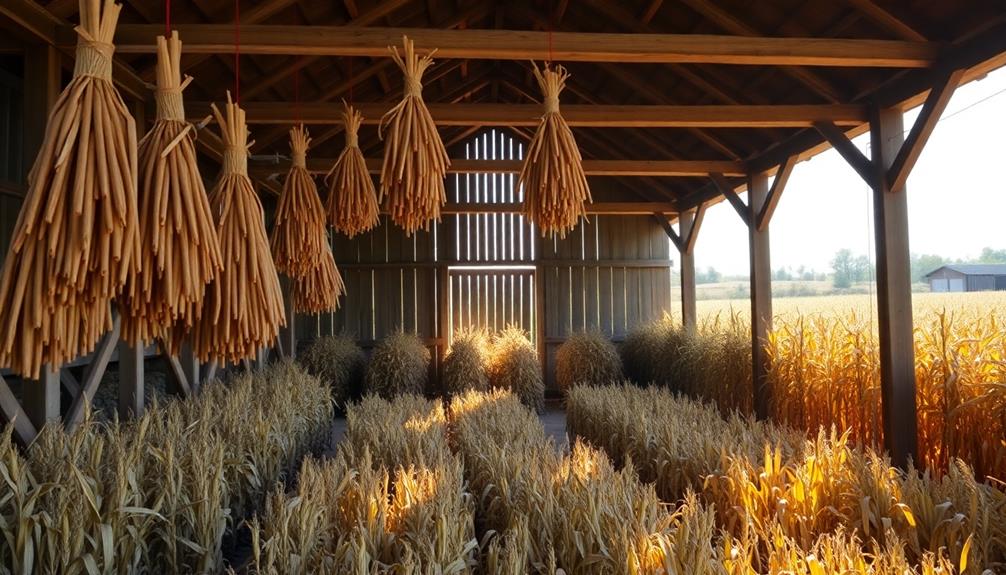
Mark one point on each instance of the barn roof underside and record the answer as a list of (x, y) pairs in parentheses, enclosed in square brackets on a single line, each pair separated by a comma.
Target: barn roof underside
[(744, 85)]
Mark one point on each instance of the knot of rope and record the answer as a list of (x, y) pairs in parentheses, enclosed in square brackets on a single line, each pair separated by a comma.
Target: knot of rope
[(235, 160), (552, 104), (414, 87), (352, 139), (298, 160), (93, 59), (169, 104)]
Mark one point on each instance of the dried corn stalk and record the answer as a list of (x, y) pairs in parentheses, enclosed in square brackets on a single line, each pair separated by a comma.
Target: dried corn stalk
[(415, 160), (76, 238), (243, 307), (181, 253), (352, 200), (299, 234), (555, 187), (319, 290)]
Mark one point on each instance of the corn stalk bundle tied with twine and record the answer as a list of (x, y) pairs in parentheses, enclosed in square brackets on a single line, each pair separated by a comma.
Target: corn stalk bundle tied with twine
[(299, 235), (76, 239), (243, 307), (352, 199), (181, 252), (555, 186), (415, 160), (320, 289)]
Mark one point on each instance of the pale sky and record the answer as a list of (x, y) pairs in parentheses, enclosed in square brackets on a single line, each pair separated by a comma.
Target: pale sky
[(957, 197)]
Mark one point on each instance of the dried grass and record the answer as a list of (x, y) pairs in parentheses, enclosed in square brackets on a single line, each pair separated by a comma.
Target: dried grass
[(399, 365), (339, 363), (587, 358), (466, 364), (514, 367), (160, 494)]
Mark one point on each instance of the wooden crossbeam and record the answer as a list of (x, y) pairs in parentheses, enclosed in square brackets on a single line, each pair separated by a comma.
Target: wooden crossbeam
[(670, 231), (774, 193), (724, 187), (623, 168), (532, 45), (924, 125), (693, 233), (576, 115), (847, 150), (12, 411), (596, 208), (92, 377)]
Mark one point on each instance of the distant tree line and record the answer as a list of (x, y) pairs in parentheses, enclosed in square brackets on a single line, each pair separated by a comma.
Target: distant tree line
[(848, 268)]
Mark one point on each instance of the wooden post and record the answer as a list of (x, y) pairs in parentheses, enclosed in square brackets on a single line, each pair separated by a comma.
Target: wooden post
[(131, 375), (288, 334), (41, 89), (443, 314), (190, 366), (761, 292), (688, 313), (894, 291), (41, 397)]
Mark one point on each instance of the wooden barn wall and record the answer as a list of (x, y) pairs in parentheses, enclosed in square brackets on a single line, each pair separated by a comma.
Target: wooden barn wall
[(11, 161), (611, 273)]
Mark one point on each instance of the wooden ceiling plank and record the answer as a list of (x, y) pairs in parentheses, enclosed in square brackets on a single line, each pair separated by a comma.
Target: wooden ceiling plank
[(534, 45), (886, 20), (576, 115), (651, 11)]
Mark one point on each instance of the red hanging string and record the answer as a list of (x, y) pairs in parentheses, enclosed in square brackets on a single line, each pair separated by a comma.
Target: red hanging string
[(296, 95), (167, 18), (551, 25), (237, 51), (352, 81)]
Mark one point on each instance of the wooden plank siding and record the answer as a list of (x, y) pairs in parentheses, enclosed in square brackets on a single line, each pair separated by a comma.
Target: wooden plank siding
[(610, 273)]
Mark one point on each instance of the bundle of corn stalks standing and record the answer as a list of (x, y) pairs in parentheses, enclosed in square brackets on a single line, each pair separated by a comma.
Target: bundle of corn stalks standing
[(352, 199), (180, 253), (76, 240), (415, 160), (555, 185), (243, 307)]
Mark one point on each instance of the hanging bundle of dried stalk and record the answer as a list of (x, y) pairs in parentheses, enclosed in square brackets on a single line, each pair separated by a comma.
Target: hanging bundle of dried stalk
[(180, 250), (352, 200), (555, 187), (319, 290), (299, 233), (76, 239), (415, 160), (243, 308)]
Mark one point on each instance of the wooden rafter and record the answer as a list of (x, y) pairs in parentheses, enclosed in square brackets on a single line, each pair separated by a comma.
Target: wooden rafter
[(727, 190), (886, 20), (576, 115), (775, 193), (524, 45)]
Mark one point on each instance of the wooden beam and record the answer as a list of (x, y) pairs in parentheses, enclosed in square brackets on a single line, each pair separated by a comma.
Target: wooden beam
[(41, 90), (178, 374), (669, 230), (689, 222), (727, 190), (844, 146), (13, 413), (576, 115), (535, 45), (41, 397), (619, 168), (761, 297), (288, 333), (131, 379), (596, 208), (693, 228), (924, 125), (886, 20), (774, 193), (894, 293), (92, 376)]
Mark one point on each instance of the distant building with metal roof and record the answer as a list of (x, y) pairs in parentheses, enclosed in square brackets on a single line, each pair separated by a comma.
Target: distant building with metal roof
[(967, 277)]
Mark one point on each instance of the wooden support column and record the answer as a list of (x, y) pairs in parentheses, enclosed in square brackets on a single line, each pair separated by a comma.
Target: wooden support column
[(894, 291), (131, 376), (443, 314), (761, 292), (41, 397), (190, 366), (689, 222), (288, 334), (41, 89)]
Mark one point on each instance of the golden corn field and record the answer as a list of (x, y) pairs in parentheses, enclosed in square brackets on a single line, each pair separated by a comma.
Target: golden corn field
[(825, 370)]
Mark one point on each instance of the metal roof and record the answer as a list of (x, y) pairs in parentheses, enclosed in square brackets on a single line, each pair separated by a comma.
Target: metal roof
[(974, 269)]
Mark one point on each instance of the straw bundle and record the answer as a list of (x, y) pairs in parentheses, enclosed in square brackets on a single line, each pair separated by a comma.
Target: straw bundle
[(243, 308), (320, 289), (415, 160), (299, 235), (352, 200), (181, 253), (76, 237), (553, 179)]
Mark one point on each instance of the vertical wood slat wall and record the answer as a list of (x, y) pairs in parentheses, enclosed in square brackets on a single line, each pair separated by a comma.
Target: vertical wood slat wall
[(610, 273), (12, 167)]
